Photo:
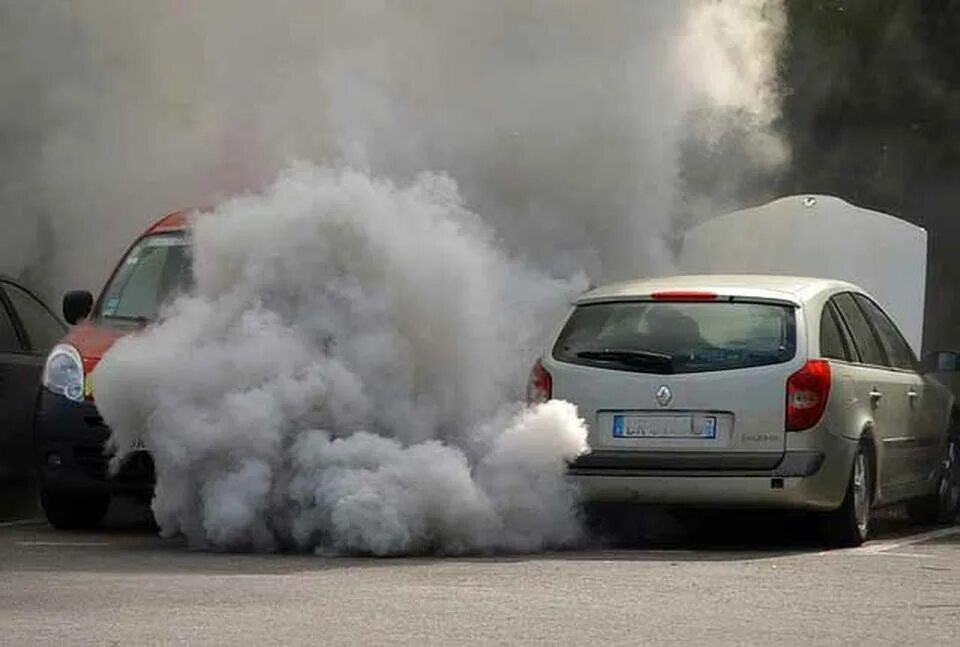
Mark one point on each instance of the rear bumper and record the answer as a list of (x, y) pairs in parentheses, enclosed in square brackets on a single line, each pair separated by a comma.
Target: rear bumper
[(71, 454), (805, 480)]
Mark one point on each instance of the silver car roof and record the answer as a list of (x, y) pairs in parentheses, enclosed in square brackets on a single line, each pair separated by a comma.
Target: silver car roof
[(790, 289)]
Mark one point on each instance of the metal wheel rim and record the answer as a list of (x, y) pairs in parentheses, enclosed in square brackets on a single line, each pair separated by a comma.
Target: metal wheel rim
[(861, 493), (950, 478)]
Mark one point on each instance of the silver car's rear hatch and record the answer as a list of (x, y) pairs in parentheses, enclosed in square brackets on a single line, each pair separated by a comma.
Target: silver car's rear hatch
[(686, 385)]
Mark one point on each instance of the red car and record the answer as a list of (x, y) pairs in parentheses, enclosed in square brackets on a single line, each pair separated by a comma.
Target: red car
[(75, 486)]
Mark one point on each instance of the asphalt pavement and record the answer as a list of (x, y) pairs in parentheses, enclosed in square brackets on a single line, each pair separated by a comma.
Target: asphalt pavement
[(732, 582)]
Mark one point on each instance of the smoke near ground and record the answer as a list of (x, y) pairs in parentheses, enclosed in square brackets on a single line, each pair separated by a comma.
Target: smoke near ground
[(346, 374), (342, 378)]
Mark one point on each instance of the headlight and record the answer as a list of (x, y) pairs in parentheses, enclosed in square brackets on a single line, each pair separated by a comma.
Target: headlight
[(63, 373)]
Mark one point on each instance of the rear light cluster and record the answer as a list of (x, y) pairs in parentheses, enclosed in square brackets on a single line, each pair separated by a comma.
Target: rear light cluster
[(540, 385), (807, 392)]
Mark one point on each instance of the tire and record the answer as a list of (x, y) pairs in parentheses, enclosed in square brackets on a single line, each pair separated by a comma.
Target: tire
[(72, 511), (849, 525), (942, 506)]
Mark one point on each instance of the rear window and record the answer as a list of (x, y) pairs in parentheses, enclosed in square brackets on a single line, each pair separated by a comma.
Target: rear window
[(652, 337)]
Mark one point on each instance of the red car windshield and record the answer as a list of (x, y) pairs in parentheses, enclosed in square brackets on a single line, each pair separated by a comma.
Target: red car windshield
[(154, 271)]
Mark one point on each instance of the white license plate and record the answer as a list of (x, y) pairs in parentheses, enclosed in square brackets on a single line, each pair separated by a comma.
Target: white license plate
[(664, 427)]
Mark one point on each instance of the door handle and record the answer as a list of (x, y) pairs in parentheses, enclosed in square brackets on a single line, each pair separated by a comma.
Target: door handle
[(875, 396), (913, 395)]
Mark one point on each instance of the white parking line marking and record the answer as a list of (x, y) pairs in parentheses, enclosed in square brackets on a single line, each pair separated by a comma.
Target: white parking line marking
[(21, 522), (881, 547), (884, 547), (63, 544)]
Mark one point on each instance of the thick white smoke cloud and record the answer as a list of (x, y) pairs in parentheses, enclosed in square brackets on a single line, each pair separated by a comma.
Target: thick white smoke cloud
[(560, 120), (341, 378)]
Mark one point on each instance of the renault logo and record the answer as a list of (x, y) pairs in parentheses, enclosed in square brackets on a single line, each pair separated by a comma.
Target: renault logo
[(664, 395)]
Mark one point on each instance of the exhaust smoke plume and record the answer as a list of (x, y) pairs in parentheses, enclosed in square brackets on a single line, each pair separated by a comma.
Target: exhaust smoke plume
[(344, 376), (559, 120), (339, 378)]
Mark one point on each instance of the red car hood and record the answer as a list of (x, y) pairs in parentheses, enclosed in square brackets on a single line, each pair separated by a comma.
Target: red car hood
[(93, 340)]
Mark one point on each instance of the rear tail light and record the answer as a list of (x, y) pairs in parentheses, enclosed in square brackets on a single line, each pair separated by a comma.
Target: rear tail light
[(540, 385), (807, 392)]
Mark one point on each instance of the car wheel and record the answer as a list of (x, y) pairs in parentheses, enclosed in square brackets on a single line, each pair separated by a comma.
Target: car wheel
[(942, 506), (849, 525), (72, 511)]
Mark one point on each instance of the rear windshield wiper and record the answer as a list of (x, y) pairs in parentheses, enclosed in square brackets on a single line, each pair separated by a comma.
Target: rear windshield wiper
[(639, 358)]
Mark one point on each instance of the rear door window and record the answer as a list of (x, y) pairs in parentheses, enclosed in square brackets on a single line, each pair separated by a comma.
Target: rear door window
[(833, 345), (863, 336), (653, 337), (897, 349)]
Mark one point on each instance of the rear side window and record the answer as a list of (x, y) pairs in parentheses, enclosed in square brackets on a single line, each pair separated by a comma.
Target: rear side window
[(652, 337), (863, 337), (897, 349), (832, 343)]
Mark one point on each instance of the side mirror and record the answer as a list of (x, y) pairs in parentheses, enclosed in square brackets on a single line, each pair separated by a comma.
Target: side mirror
[(77, 306), (941, 361)]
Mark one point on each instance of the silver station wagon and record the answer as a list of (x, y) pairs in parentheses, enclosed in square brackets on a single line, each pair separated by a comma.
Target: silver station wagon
[(753, 391)]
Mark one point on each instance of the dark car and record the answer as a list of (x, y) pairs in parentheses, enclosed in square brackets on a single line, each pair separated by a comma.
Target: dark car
[(28, 330)]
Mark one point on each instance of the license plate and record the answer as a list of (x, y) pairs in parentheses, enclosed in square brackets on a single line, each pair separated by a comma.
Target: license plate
[(664, 427), (137, 444)]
